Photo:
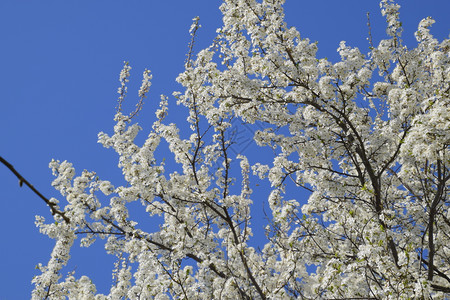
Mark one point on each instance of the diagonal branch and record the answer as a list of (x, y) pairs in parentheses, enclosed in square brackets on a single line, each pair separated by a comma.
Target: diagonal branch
[(22, 180)]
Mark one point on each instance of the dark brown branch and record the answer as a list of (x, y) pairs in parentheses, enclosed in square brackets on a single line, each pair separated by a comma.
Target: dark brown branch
[(433, 208), (439, 273), (22, 180), (440, 288)]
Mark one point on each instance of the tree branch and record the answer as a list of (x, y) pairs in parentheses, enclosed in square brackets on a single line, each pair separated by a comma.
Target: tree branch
[(22, 180)]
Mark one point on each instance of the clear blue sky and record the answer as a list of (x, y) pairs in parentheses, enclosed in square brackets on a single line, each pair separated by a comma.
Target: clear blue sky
[(60, 65)]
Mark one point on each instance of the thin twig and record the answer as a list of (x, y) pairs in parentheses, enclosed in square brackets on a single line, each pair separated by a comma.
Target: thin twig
[(22, 180), (370, 31), (193, 32)]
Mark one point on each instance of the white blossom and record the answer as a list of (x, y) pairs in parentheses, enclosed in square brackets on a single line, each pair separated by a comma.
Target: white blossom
[(372, 153)]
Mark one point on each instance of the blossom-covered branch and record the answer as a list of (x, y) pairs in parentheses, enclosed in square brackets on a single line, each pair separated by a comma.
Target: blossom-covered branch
[(367, 137)]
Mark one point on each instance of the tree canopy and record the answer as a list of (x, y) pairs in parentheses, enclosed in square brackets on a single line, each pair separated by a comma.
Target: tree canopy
[(368, 137)]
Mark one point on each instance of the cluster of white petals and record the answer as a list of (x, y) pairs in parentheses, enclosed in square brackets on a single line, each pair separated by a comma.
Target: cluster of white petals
[(372, 151)]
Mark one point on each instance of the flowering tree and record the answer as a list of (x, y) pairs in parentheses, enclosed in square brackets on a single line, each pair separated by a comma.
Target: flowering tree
[(367, 136)]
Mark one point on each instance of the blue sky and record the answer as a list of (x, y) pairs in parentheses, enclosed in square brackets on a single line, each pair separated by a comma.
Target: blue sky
[(60, 65)]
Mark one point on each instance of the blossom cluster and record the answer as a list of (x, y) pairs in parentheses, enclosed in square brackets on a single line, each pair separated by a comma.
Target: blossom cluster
[(373, 153)]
